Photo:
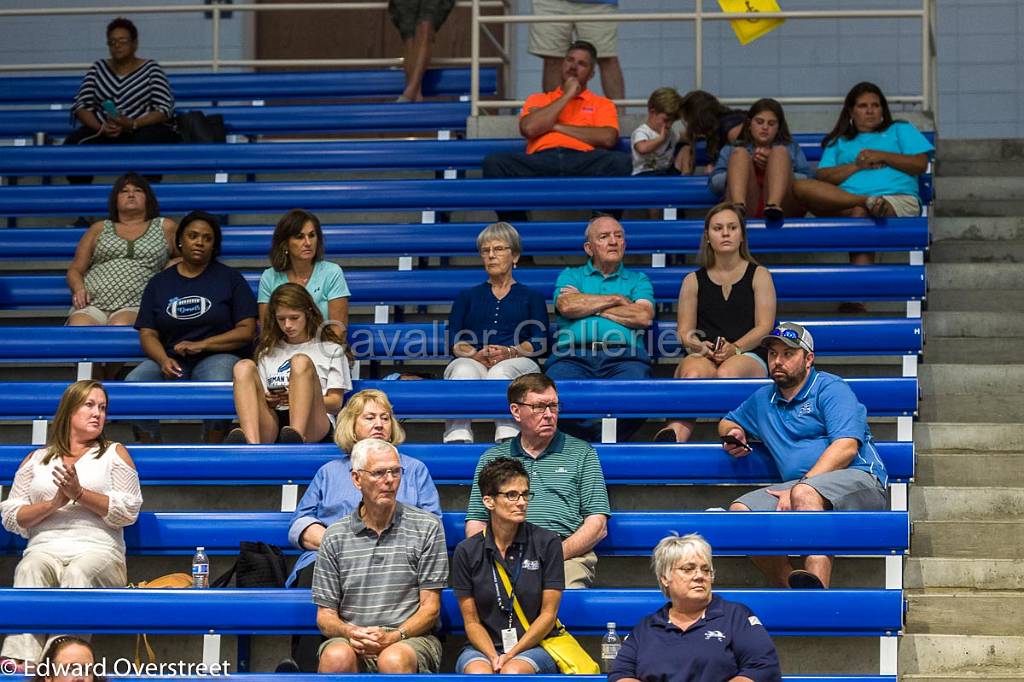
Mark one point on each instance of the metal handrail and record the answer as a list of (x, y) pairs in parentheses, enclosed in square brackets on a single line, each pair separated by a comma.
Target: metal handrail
[(926, 13), (215, 63)]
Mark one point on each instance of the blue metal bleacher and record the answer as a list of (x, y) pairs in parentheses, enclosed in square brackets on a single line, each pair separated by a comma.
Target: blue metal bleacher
[(862, 612), (629, 533), (282, 85), (429, 341), (539, 238), (299, 156), (285, 119), (441, 286), (436, 399), (453, 464)]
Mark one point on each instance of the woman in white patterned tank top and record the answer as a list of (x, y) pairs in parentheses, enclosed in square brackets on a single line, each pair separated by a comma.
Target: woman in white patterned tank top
[(116, 257), (72, 500)]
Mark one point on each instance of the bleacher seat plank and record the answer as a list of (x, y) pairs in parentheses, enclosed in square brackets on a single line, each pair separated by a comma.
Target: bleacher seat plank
[(861, 612)]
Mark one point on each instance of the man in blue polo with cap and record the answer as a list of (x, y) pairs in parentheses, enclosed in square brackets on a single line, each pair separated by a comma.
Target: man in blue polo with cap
[(817, 433)]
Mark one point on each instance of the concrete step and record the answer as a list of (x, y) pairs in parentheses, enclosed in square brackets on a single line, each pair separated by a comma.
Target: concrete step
[(976, 574), (987, 150), (937, 656), (991, 207), (963, 298), (977, 251), (977, 613), (948, 167), (938, 378), (972, 408), (968, 188), (957, 503), (1002, 325), (968, 539), (975, 276), (952, 437), (1004, 469), (974, 351), (977, 227)]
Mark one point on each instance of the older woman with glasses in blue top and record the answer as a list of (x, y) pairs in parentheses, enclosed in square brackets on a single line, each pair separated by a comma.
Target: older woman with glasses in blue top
[(498, 327), (332, 495)]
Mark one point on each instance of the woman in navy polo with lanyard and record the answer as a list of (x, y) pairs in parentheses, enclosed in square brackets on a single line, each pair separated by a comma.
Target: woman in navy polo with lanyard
[(497, 327), (696, 637), (531, 559)]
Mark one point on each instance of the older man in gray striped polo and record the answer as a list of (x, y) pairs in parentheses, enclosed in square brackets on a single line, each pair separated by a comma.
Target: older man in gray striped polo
[(378, 576), (570, 497)]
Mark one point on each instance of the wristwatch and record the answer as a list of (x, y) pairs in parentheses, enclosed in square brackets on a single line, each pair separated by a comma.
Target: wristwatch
[(402, 634)]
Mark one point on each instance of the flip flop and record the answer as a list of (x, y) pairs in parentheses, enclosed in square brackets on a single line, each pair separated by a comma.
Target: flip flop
[(805, 580), (289, 435), (773, 214)]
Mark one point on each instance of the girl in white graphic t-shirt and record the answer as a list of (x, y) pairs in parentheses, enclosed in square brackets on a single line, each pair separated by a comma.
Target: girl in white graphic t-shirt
[(293, 389)]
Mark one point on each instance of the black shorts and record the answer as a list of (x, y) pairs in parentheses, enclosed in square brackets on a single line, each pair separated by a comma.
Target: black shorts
[(284, 419)]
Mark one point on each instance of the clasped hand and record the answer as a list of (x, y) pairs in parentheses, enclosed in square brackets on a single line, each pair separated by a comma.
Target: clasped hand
[(68, 485), (490, 355), (370, 641), (870, 158)]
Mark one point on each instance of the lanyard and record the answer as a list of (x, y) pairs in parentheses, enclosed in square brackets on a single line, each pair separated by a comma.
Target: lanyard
[(512, 592)]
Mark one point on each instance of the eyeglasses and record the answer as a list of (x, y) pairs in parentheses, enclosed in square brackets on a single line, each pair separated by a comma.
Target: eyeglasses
[(378, 474), (541, 408), (690, 570), (496, 250), (117, 42), (514, 495)]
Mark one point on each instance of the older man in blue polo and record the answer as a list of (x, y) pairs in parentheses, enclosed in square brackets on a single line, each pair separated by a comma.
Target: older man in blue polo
[(603, 313), (817, 433)]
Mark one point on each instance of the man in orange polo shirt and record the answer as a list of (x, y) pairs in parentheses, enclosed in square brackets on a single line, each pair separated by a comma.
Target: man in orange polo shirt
[(569, 132)]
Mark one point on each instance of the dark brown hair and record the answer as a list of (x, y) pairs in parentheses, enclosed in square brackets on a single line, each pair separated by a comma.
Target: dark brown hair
[(126, 24), (152, 205), (760, 106), (291, 225), (48, 662), (58, 443), (702, 113), (706, 255), (844, 125), (498, 472)]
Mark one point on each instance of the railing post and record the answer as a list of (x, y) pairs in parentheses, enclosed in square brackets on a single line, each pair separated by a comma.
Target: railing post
[(698, 40), (474, 60), (216, 36), (926, 56)]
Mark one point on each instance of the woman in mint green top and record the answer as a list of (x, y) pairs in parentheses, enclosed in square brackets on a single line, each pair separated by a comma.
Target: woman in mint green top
[(297, 256), (870, 162)]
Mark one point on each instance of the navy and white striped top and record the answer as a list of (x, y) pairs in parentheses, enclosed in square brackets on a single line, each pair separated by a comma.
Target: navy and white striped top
[(143, 90)]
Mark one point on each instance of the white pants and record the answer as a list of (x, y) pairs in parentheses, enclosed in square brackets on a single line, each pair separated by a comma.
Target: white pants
[(467, 368), (39, 568)]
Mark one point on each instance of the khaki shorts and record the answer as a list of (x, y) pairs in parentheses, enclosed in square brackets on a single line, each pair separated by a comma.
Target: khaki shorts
[(580, 571), (904, 205), (427, 649), (554, 38), (102, 317)]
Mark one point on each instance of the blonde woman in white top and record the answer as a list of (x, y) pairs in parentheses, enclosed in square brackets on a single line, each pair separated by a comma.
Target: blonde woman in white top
[(72, 500)]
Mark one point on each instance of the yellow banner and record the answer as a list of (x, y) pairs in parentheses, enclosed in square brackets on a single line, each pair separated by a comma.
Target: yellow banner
[(749, 30)]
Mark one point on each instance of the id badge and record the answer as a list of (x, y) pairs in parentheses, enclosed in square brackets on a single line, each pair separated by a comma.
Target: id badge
[(509, 638)]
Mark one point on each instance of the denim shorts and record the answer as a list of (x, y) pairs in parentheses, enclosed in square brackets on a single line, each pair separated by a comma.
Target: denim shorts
[(541, 660)]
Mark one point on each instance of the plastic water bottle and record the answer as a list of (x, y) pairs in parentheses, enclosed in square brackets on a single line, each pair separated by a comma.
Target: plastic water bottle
[(610, 645), (200, 568)]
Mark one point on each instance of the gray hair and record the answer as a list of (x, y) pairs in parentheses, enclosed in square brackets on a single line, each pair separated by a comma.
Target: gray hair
[(671, 551), (501, 232), (603, 216), (361, 451)]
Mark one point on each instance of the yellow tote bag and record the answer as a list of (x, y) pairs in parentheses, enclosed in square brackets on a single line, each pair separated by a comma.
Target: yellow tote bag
[(749, 30)]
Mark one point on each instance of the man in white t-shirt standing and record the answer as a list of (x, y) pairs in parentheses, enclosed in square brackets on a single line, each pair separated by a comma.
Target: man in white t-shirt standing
[(549, 41)]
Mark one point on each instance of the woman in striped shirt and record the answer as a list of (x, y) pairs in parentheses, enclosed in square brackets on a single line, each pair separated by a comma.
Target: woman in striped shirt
[(123, 99)]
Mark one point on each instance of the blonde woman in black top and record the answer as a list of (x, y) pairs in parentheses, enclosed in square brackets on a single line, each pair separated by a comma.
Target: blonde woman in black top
[(724, 310)]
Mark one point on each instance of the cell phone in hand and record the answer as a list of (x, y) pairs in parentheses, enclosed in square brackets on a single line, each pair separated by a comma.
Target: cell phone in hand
[(110, 108), (733, 440), (719, 343)]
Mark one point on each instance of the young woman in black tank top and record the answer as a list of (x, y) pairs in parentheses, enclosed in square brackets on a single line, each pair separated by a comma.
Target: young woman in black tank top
[(731, 298)]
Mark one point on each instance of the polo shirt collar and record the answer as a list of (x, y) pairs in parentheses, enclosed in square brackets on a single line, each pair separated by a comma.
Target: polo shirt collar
[(356, 521), (584, 93), (713, 610), (589, 269), (489, 546), (812, 377), (556, 445)]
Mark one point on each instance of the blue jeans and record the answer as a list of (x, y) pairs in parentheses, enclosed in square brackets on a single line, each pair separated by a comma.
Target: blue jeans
[(541, 660), (216, 367), (584, 364)]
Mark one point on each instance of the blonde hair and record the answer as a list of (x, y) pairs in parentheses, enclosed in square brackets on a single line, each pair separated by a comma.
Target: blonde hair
[(58, 443), (706, 255), (345, 434), (671, 551), (665, 101)]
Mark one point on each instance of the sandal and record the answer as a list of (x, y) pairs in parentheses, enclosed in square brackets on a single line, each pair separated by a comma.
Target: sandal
[(773, 214), (805, 580), (876, 206)]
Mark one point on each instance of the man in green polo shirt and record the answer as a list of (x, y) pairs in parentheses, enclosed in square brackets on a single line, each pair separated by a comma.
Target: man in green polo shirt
[(603, 311), (570, 497)]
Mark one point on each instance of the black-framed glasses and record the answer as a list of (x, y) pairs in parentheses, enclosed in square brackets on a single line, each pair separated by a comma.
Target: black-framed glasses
[(541, 408), (378, 474), (515, 495)]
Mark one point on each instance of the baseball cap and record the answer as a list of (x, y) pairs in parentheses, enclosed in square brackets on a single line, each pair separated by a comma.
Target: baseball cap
[(791, 334)]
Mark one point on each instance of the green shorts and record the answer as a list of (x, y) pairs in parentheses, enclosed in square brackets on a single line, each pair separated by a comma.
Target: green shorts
[(427, 649), (405, 14)]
